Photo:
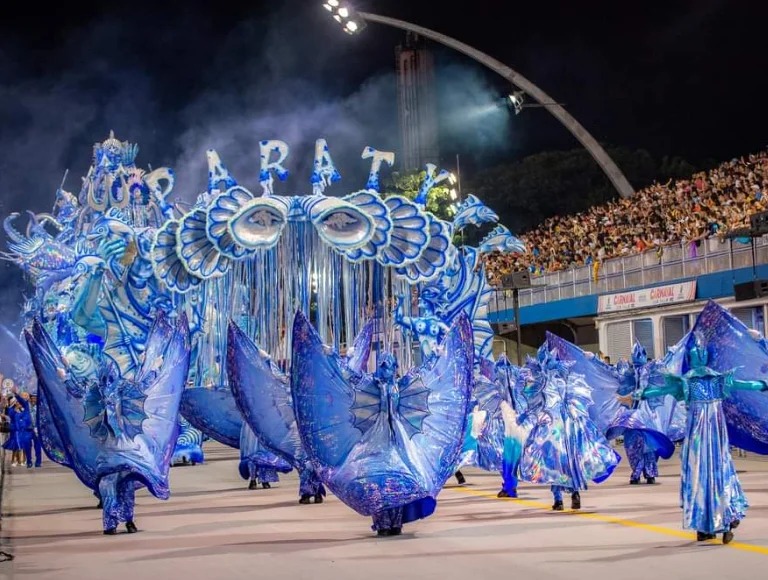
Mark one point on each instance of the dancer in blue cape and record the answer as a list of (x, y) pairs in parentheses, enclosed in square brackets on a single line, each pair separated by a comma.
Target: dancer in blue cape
[(256, 463), (513, 380), (649, 430), (263, 395), (214, 412), (118, 435), (384, 445), (722, 397), (664, 415), (564, 448)]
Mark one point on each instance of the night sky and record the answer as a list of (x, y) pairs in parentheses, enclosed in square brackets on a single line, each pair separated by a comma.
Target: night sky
[(675, 78)]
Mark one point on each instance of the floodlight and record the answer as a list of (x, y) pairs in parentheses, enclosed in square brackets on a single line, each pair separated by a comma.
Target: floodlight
[(346, 15), (516, 100), (452, 178), (453, 194)]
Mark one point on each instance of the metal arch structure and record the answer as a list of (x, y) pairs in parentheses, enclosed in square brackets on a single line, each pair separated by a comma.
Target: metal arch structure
[(599, 154)]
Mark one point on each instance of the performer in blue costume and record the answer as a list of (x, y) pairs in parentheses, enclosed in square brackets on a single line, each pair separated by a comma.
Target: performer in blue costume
[(34, 442), (513, 379), (663, 413), (118, 435), (384, 446), (20, 423), (649, 428), (565, 448), (256, 463), (712, 499), (263, 395)]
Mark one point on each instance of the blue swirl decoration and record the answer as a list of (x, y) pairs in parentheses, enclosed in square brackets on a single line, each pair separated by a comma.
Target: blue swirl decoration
[(196, 251), (221, 211), (434, 259), (166, 262), (374, 206), (410, 232)]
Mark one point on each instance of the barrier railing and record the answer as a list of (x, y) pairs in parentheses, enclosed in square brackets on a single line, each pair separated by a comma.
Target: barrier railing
[(651, 267)]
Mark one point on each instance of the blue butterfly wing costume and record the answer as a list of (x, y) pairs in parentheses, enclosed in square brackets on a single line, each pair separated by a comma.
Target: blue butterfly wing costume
[(383, 446), (733, 348), (611, 418), (118, 435), (263, 395), (256, 461), (64, 399), (214, 412), (50, 440), (489, 396)]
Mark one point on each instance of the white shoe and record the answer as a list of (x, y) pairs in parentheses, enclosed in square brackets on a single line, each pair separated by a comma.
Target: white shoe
[(14, 464)]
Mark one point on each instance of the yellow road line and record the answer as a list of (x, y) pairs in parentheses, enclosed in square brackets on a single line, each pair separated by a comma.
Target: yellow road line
[(614, 520)]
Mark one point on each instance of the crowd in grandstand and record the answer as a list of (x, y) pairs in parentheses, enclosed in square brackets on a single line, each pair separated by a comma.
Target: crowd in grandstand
[(708, 204)]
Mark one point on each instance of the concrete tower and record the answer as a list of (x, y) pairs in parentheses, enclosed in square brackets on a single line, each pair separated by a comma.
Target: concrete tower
[(416, 104)]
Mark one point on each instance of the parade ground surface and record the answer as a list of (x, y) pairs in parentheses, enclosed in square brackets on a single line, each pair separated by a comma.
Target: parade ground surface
[(213, 527)]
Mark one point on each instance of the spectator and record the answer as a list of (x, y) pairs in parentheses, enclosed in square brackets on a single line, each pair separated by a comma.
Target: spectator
[(708, 204)]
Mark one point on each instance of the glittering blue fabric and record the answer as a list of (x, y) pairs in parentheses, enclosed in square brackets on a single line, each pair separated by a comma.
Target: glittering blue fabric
[(402, 457), (733, 349), (710, 491), (718, 370), (642, 457), (605, 383), (565, 447), (388, 519), (144, 458), (214, 412), (263, 396), (255, 459), (309, 482), (118, 498)]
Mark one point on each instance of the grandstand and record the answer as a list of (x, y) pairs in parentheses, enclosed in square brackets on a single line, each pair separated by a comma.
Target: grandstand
[(639, 268)]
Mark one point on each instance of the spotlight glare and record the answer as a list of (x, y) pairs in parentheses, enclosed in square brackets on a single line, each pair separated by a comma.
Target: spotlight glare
[(452, 178), (343, 12), (328, 7), (333, 3), (352, 26), (453, 194), (337, 18)]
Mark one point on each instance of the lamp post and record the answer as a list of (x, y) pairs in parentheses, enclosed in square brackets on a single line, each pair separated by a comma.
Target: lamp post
[(353, 22)]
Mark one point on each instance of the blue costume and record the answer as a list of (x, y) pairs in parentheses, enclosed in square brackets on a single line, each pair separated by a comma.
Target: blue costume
[(263, 395), (513, 379), (117, 434), (565, 448), (34, 440), (711, 496), (384, 446), (664, 413), (649, 430), (256, 463), (20, 424)]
